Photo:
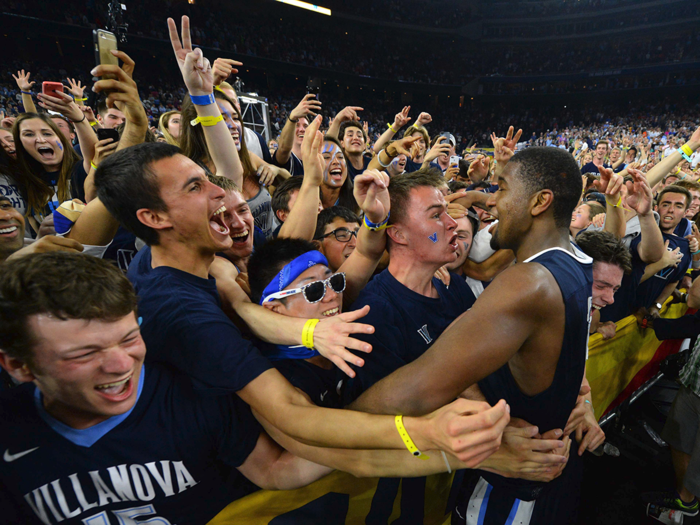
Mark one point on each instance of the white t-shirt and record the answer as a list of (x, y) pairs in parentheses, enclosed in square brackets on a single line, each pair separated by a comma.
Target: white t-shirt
[(481, 247)]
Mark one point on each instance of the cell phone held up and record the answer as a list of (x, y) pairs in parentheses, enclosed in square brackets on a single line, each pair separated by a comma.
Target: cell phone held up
[(103, 134), (51, 89), (105, 42)]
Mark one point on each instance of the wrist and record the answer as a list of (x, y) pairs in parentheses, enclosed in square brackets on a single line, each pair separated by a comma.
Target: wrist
[(420, 431), (200, 98), (390, 154)]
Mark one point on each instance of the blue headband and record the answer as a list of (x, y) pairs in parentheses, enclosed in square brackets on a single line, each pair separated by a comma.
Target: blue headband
[(292, 270)]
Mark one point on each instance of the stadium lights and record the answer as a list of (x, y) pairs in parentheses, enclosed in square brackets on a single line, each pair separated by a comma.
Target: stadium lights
[(306, 5)]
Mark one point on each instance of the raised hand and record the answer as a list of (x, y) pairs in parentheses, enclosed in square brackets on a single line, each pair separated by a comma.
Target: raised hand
[(402, 118), (120, 87), (308, 106), (311, 147), (75, 88), (639, 195), (511, 142), (195, 68), (610, 184), (501, 152), (348, 113), (439, 148), (372, 194), (423, 119), (63, 104), (403, 146), (332, 338), (103, 149), (224, 68), (479, 168), (22, 80)]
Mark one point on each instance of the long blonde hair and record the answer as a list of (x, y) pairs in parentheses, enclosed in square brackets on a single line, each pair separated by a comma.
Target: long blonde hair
[(163, 126)]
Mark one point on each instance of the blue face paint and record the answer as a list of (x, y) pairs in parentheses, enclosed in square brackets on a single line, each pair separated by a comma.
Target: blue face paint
[(58, 143), (433, 237)]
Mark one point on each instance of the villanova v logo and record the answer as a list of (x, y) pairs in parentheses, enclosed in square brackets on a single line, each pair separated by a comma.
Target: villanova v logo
[(423, 331)]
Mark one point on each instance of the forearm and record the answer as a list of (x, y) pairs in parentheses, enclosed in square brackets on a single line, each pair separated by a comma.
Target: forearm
[(362, 262), (222, 149), (666, 293), (334, 129), (694, 294), (658, 172), (595, 322), (374, 164), (652, 269), (89, 185), (491, 267), (474, 197), (615, 220), (95, 226), (285, 143), (28, 103), (383, 139), (301, 222), (651, 247), (87, 140)]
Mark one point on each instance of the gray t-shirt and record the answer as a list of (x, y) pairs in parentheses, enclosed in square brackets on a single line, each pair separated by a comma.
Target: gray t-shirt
[(261, 208)]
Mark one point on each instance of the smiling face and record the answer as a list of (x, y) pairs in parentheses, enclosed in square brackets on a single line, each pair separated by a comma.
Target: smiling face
[(297, 306), (11, 229), (600, 151), (694, 204), (300, 131), (607, 279), (335, 172), (87, 370), (486, 219), (337, 251), (7, 141), (233, 122), (671, 208), (195, 206), (428, 231), (397, 166), (465, 238), (510, 201), (174, 126), (239, 220), (353, 140), (581, 217), (41, 143)]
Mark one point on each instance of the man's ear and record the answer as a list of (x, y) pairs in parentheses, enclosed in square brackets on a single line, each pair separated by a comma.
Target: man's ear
[(282, 215), (154, 219), (543, 201), (16, 368), (275, 306), (319, 245), (396, 234)]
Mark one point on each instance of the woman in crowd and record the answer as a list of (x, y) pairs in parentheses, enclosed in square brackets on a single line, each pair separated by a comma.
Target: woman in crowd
[(169, 126), (336, 188), (582, 217)]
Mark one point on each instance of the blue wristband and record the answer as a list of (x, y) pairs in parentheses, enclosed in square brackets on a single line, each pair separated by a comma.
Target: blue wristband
[(376, 226), (27, 93), (695, 253), (203, 100)]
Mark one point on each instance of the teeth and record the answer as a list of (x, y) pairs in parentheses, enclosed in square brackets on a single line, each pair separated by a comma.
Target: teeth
[(332, 311), (8, 230), (220, 210), (596, 307), (242, 234), (113, 385)]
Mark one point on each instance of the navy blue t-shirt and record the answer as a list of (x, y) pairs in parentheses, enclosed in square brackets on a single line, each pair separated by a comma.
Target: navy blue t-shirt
[(649, 290), (405, 323), (122, 250), (493, 188), (294, 165), (412, 166), (184, 327), (352, 172), (172, 456), (592, 168)]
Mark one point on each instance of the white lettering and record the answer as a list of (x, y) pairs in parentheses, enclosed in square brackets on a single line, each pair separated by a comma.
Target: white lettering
[(120, 481), (61, 498), (77, 487), (103, 492), (183, 476), (47, 498), (37, 505), (166, 481), (138, 473)]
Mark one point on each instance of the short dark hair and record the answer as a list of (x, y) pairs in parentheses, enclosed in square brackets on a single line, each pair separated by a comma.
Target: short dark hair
[(464, 166), (673, 188), (400, 190), (224, 183), (268, 259), (64, 285), (350, 124), (283, 194), (547, 168), (456, 185), (604, 247), (126, 183), (328, 215)]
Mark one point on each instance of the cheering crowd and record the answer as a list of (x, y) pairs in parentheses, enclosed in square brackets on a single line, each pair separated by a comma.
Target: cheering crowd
[(185, 305)]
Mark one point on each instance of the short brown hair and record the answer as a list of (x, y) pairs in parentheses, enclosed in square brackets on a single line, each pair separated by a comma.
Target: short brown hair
[(674, 188), (400, 190), (605, 142), (595, 208), (604, 247), (65, 285), (689, 185), (351, 124)]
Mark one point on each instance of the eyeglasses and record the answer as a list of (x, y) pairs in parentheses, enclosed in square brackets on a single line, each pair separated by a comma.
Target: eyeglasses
[(341, 235), (315, 291)]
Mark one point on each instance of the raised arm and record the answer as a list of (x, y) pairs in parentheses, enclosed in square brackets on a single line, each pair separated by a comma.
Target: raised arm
[(639, 198), (400, 147), (400, 120), (610, 184), (25, 87), (347, 113), (199, 79), (658, 172), (308, 106)]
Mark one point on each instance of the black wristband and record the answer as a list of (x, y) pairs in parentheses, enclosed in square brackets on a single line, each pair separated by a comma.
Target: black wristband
[(290, 119), (78, 121)]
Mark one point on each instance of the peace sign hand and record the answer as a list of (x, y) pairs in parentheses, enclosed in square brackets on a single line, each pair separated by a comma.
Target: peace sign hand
[(195, 68)]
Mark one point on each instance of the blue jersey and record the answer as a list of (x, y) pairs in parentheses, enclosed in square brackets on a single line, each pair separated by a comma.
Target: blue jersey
[(649, 291), (294, 165), (405, 323), (171, 457), (551, 408), (352, 172), (184, 327)]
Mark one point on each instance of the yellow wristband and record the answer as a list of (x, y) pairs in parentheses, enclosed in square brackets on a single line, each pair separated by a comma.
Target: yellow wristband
[(410, 445), (687, 149), (307, 334), (93, 123), (391, 127), (93, 165), (207, 121)]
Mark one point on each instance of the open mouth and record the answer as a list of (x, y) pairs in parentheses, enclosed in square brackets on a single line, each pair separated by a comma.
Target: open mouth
[(46, 152), (9, 231), (336, 175), (453, 243), (216, 221), (331, 312), (241, 238), (117, 391)]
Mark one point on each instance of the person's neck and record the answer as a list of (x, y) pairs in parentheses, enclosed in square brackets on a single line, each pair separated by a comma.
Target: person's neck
[(356, 160), (414, 275), (444, 164), (541, 238), (329, 196), (182, 257), (296, 149), (69, 416), (599, 162), (669, 231), (51, 168)]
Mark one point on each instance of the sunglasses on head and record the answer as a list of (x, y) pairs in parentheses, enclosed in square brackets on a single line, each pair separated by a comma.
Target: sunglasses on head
[(315, 291)]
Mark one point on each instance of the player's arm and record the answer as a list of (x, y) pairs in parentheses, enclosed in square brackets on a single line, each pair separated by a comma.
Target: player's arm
[(657, 173), (372, 194), (491, 267), (521, 300), (470, 430)]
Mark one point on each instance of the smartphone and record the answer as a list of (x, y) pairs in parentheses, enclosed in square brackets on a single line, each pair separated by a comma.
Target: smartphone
[(316, 90), (52, 89), (454, 160), (105, 42), (103, 134)]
